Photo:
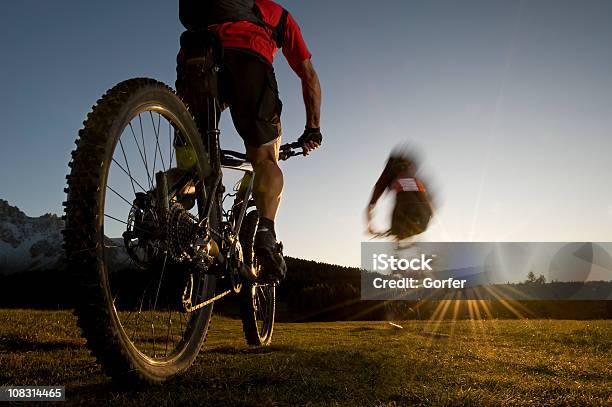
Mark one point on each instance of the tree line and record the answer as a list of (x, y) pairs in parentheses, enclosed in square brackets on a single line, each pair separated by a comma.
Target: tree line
[(315, 291)]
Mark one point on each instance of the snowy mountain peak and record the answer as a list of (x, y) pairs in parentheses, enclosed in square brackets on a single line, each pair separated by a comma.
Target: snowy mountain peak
[(28, 243), (10, 212), (35, 243)]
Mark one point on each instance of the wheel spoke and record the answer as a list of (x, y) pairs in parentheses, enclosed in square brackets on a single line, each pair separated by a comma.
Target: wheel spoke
[(127, 164), (144, 161), (129, 175), (155, 149), (160, 281), (170, 143), (144, 149), (261, 290), (124, 222), (139, 314), (120, 196), (115, 219), (157, 146)]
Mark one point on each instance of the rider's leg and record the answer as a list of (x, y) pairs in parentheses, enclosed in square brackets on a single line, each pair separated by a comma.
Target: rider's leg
[(248, 85), (267, 190), (268, 182)]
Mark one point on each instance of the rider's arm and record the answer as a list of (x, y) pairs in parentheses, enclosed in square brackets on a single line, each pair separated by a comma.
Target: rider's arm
[(379, 189), (383, 182), (298, 56), (311, 90)]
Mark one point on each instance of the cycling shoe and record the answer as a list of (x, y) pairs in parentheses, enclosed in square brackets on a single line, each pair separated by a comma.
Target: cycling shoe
[(269, 254)]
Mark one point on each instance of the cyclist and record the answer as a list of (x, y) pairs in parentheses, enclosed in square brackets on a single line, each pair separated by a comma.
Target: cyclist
[(413, 208), (251, 32)]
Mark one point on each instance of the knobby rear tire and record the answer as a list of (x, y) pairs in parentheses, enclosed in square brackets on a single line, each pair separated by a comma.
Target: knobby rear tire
[(83, 234)]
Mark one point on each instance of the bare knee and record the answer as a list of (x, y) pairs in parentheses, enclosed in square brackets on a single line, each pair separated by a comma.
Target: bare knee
[(264, 160), (264, 153)]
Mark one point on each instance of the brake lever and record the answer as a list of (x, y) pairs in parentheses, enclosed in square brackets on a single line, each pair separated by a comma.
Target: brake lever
[(286, 154), (286, 151)]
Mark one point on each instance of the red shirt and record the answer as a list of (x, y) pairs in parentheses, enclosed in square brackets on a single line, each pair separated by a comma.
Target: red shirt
[(246, 35)]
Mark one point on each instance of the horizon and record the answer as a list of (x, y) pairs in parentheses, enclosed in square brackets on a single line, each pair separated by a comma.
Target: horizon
[(481, 263)]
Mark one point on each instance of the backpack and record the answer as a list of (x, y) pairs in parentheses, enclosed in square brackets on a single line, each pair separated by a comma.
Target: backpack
[(197, 15)]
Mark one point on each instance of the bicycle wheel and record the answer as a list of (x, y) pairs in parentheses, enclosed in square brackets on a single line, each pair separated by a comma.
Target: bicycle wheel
[(257, 301), (129, 256)]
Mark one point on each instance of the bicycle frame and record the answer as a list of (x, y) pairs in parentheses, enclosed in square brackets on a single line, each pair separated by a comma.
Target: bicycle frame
[(228, 159), (220, 159)]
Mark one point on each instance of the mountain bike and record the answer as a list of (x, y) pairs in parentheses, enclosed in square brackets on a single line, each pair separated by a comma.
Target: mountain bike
[(152, 237)]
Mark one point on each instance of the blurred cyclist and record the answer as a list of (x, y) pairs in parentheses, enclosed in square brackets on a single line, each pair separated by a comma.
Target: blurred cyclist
[(413, 209)]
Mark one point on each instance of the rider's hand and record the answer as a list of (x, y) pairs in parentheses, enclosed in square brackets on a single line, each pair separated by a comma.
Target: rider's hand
[(369, 216), (371, 230), (310, 139)]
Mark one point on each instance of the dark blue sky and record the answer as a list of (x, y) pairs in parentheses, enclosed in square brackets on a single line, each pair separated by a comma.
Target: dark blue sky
[(510, 103)]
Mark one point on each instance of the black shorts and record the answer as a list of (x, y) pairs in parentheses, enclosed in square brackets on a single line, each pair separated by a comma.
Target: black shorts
[(411, 215), (246, 83)]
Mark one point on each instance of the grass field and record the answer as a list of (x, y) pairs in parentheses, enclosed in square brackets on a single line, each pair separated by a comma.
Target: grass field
[(517, 362)]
